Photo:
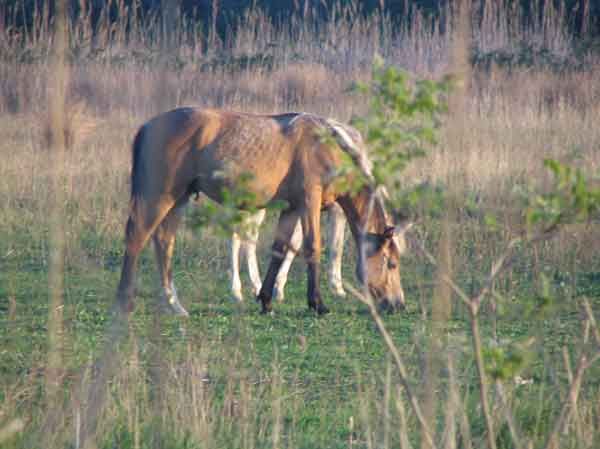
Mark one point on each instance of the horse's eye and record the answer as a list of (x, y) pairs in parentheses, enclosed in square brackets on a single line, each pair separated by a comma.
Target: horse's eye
[(392, 265)]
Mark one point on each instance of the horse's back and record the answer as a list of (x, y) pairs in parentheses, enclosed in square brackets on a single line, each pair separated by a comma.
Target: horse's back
[(209, 149)]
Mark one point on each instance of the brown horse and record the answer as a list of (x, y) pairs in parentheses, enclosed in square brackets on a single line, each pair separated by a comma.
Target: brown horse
[(190, 150)]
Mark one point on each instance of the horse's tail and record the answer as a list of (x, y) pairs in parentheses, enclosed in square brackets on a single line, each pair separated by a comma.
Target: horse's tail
[(136, 163)]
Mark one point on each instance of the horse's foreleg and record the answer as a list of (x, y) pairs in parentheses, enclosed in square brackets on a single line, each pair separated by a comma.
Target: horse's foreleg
[(311, 228), (283, 235), (164, 244), (282, 275), (335, 241)]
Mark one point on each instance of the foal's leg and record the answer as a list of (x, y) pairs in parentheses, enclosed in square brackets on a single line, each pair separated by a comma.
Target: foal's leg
[(143, 220), (335, 241), (164, 243), (248, 242), (283, 235), (236, 283), (294, 247), (253, 223), (311, 228)]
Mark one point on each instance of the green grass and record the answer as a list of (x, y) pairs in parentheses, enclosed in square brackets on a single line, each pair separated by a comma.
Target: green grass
[(326, 371)]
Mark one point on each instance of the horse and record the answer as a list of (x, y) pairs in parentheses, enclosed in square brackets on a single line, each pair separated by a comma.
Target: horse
[(246, 244), (189, 150)]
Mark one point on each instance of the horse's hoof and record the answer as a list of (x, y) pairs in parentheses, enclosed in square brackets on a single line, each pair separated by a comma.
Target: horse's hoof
[(320, 308), (172, 306), (120, 309), (391, 308)]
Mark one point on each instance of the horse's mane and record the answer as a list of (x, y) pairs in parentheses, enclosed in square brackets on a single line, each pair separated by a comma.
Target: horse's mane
[(346, 136), (350, 140)]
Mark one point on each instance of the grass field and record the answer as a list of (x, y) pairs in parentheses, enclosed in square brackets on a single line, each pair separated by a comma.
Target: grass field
[(228, 377)]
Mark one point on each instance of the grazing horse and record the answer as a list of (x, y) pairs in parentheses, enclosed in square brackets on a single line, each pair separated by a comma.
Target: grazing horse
[(189, 150), (247, 245)]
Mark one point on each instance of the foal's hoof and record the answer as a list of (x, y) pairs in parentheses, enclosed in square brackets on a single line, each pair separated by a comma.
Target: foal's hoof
[(236, 297), (337, 291), (236, 294), (340, 293)]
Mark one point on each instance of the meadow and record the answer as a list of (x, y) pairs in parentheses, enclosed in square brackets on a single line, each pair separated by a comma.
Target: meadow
[(228, 377)]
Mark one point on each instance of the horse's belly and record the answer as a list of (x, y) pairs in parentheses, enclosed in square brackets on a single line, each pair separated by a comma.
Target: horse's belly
[(263, 178)]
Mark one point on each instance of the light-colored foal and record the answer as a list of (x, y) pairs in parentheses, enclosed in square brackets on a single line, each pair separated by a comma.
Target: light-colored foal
[(335, 242)]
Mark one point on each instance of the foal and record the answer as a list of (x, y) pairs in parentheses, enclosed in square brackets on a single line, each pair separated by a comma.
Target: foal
[(247, 245)]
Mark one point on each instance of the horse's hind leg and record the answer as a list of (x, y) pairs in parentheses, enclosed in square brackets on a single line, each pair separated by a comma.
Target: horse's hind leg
[(141, 224), (164, 243), (311, 228)]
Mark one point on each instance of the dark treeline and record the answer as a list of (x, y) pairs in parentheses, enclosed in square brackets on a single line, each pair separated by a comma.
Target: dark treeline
[(226, 14)]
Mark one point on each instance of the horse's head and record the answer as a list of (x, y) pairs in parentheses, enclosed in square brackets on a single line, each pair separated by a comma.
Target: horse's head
[(381, 266), (379, 259)]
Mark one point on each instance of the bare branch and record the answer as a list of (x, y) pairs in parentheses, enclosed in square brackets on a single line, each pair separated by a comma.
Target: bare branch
[(478, 350), (512, 426), (387, 338), (592, 321), (443, 276), (569, 403)]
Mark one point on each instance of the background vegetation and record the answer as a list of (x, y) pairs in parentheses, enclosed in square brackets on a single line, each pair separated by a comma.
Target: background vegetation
[(527, 90), (225, 14)]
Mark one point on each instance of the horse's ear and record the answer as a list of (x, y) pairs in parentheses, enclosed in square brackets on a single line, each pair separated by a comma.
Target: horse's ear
[(399, 229), (403, 226), (389, 232)]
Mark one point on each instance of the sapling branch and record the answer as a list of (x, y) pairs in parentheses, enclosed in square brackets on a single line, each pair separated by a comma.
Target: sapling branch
[(387, 338), (478, 352), (508, 416)]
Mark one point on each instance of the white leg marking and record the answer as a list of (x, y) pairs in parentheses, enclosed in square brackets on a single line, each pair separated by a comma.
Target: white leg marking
[(335, 237), (253, 267), (281, 279), (170, 303), (254, 223), (236, 283)]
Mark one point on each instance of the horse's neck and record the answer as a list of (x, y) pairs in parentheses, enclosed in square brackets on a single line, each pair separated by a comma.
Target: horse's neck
[(356, 208)]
